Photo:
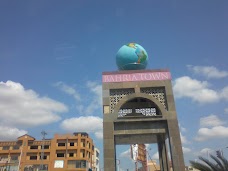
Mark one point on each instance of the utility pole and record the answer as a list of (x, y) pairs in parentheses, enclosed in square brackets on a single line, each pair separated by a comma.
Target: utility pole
[(43, 133)]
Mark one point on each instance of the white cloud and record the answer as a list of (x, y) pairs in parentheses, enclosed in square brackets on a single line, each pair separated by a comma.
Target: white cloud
[(208, 71), (226, 110), (205, 151), (96, 89), (25, 108), (89, 110), (87, 103), (147, 146), (126, 154), (90, 124), (68, 90), (183, 139), (120, 169), (9, 133), (212, 133), (186, 150), (155, 156), (183, 129), (211, 121), (197, 90), (96, 102), (224, 93), (99, 134)]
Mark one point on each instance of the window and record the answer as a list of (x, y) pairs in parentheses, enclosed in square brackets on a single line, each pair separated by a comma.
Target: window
[(4, 159), (61, 144), (82, 143), (71, 143), (71, 154), (16, 147), (97, 154), (97, 162), (5, 147), (60, 154), (34, 147), (80, 164), (14, 158), (44, 157), (33, 157), (46, 146), (88, 154), (82, 153)]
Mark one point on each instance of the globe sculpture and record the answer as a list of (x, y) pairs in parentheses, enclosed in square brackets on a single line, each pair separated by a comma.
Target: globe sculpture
[(131, 56)]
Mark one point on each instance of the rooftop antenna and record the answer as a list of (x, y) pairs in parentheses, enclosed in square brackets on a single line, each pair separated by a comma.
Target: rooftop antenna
[(43, 133)]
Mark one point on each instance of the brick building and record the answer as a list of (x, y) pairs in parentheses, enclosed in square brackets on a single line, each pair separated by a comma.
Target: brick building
[(71, 152)]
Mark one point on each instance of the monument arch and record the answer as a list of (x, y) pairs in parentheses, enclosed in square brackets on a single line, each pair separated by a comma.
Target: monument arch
[(139, 108)]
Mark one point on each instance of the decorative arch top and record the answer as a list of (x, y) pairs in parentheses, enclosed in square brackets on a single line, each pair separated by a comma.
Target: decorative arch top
[(139, 105)]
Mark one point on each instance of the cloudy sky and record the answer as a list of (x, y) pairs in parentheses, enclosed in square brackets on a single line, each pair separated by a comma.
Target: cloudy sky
[(53, 53)]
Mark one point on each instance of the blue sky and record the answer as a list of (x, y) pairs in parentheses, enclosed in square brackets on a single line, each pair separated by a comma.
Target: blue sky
[(52, 55)]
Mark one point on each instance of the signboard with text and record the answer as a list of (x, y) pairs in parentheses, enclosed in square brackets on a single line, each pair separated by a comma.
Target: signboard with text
[(129, 77)]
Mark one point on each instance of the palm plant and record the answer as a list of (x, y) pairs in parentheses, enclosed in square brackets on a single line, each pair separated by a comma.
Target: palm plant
[(219, 163)]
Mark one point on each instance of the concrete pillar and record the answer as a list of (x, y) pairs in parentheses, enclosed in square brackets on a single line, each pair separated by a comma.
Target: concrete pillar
[(109, 147), (175, 146), (163, 154)]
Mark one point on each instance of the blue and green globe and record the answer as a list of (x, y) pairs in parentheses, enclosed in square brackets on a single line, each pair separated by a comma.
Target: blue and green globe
[(131, 56)]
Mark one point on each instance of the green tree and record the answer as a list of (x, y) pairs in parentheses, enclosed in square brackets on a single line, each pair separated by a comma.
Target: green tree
[(218, 163)]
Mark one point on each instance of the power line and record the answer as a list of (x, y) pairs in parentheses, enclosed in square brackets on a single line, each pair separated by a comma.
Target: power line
[(151, 160)]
